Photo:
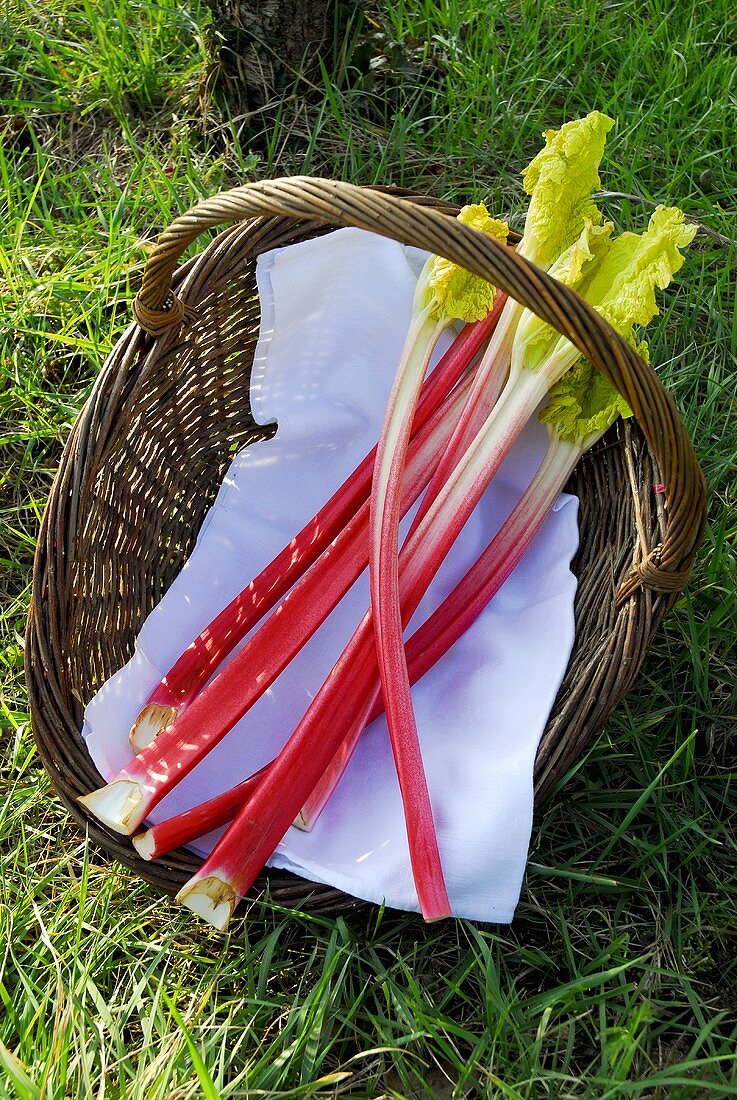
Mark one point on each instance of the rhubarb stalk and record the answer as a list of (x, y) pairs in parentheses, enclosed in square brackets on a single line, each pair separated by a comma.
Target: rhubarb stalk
[(187, 826), (124, 802), (202, 657), (620, 280), (444, 293), (582, 142)]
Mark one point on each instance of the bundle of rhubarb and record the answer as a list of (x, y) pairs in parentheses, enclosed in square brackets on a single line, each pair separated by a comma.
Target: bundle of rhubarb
[(444, 437)]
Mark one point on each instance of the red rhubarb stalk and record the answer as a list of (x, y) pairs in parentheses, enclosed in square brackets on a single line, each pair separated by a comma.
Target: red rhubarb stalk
[(538, 358), (191, 824), (240, 854), (125, 802), (202, 657), (488, 383), (262, 822)]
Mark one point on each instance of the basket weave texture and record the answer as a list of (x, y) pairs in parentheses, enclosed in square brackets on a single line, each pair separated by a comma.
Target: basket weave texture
[(147, 454)]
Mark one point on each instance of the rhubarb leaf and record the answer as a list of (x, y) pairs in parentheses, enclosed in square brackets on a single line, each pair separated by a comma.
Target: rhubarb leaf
[(623, 288), (559, 182), (535, 340), (617, 277), (583, 403), (455, 292)]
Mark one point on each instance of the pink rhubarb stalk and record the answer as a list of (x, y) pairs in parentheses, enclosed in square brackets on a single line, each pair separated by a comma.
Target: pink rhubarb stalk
[(445, 292), (240, 854), (488, 384), (384, 582), (560, 182), (489, 572), (202, 657)]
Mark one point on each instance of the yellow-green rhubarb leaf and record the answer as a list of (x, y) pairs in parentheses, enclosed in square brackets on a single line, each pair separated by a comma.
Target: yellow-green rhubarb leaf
[(623, 288), (560, 181), (456, 293), (583, 404)]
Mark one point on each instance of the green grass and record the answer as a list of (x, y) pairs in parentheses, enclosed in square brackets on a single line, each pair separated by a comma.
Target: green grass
[(618, 977)]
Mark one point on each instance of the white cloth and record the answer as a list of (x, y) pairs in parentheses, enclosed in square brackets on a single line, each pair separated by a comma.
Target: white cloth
[(334, 316)]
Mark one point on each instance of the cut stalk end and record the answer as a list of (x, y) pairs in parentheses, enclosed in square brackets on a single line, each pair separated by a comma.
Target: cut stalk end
[(144, 844), (211, 898), (116, 805), (438, 909), (302, 822), (152, 721), (434, 920)]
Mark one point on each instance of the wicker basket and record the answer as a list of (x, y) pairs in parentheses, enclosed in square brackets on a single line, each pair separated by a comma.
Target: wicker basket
[(148, 451)]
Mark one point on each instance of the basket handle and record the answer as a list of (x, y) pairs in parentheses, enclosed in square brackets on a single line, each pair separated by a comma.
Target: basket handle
[(667, 567)]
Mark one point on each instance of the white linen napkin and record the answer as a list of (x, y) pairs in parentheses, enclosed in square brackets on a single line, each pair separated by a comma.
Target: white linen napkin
[(335, 312)]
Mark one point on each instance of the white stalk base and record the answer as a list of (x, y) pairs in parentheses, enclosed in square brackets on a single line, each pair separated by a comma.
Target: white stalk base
[(210, 898), (152, 721), (116, 805)]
